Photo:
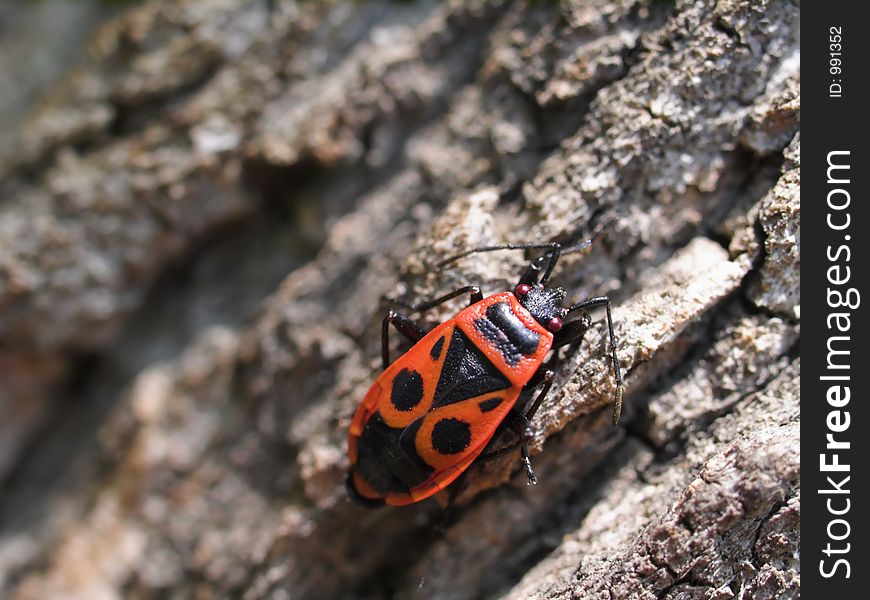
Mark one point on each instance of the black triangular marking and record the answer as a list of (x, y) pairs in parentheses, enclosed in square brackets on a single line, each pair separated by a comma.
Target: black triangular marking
[(466, 373)]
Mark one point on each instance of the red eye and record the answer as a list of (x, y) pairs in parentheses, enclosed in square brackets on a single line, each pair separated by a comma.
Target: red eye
[(555, 324), (523, 289)]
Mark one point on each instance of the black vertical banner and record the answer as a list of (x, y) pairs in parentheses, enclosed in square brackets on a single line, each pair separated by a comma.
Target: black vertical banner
[(834, 253)]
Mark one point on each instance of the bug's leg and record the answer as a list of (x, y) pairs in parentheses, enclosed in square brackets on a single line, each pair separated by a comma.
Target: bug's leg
[(404, 325), (519, 424), (614, 361), (522, 426), (572, 332), (515, 421), (528, 431), (449, 510), (410, 328), (532, 273), (475, 295), (548, 376)]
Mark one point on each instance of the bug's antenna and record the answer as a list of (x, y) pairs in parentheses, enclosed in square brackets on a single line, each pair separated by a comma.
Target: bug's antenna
[(580, 247), (596, 233), (455, 257)]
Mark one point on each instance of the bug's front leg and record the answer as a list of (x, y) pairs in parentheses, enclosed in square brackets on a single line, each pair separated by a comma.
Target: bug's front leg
[(614, 361), (572, 332)]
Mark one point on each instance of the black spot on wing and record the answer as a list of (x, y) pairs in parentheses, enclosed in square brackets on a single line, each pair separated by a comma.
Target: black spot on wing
[(451, 436), (435, 351), (384, 463), (407, 390), (504, 330), (489, 404), (466, 373)]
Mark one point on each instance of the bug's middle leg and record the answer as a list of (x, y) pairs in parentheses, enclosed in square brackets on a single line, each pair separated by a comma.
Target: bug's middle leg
[(521, 423), (473, 291), (412, 330), (525, 431)]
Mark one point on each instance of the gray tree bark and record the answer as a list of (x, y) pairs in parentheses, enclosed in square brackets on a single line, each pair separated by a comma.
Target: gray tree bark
[(197, 225)]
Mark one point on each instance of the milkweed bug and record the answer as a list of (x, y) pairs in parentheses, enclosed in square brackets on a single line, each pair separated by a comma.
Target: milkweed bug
[(433, 412)]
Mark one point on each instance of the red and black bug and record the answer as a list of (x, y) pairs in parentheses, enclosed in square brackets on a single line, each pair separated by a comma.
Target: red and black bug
[(433, 411)]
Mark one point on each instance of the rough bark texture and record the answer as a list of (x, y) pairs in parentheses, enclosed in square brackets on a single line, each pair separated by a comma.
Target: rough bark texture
[(197, 225)]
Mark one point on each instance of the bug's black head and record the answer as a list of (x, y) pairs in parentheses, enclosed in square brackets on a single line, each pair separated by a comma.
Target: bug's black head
[(545, 304)]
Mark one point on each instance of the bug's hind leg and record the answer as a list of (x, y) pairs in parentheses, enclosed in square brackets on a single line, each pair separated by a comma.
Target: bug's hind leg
[(450, 509)]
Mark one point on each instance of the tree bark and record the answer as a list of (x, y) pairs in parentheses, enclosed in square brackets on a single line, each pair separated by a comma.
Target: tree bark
[(198, 224)]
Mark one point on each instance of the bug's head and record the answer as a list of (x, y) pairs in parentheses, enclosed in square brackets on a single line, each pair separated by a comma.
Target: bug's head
[(544, 304)]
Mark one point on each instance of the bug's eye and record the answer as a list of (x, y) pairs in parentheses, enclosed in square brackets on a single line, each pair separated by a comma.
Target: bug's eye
[(555, 324), (523, 289)]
